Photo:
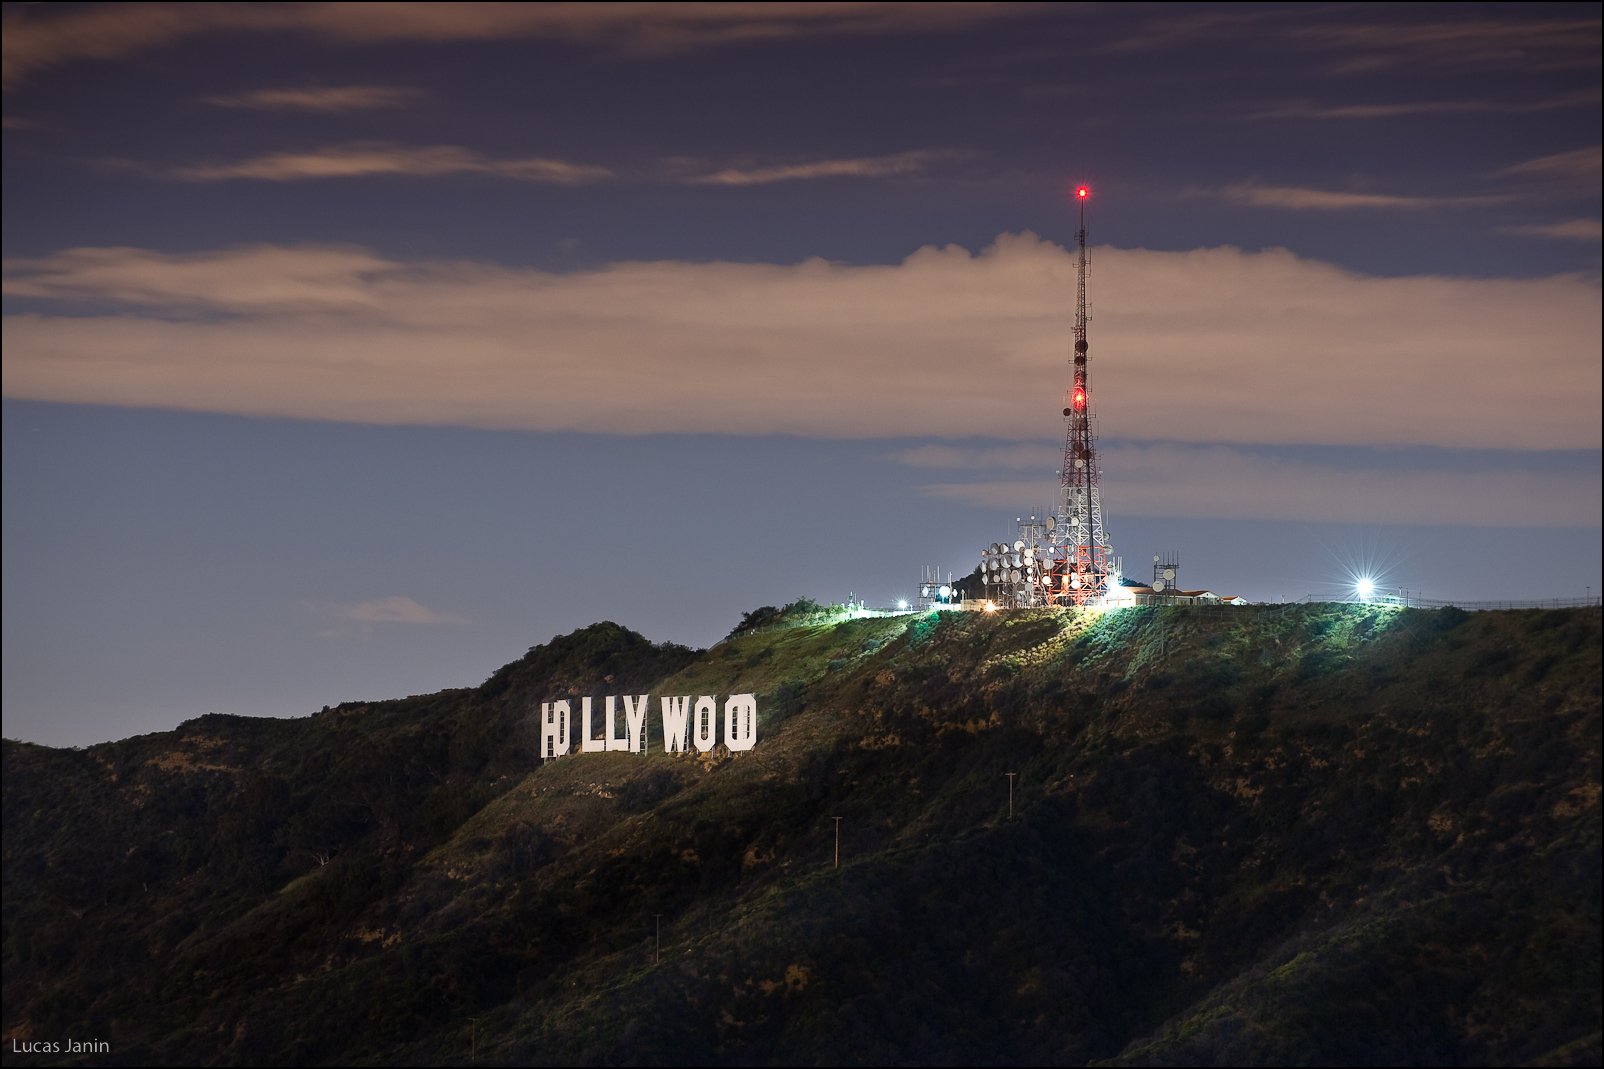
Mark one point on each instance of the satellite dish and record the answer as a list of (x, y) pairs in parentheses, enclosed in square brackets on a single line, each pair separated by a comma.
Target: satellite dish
[(1074, 581), (1169, 573), (1155, 558), (1019, 544), (1074, 521), (1013, 576), (1052, 521), (1158, 584)]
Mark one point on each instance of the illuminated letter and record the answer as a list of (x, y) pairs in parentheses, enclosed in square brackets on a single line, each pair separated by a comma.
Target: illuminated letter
[(635, 716), (614, 742), (740, 721), (587, 744), (674, 723), (554, 719), (706, 722)]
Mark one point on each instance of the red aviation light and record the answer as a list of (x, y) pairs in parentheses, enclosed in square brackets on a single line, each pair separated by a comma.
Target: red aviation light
[(1080, 398), (1082, 192)]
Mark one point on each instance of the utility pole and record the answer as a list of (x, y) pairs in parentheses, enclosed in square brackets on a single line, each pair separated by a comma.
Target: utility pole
[(837, 841), (1010, 776)]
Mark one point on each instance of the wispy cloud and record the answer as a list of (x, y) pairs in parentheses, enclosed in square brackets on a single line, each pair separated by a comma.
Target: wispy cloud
[(36, 38), (900, 163), (391, 610), (1302, 198), (329, 98), (1252, 346), (1306, 110), (1180, 480), (1352, 40), (1565, 230), (1581, 167), (377, 158), (1562, 43)]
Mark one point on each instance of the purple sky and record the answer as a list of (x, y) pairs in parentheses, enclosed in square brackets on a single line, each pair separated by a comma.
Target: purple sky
[(352, 349)]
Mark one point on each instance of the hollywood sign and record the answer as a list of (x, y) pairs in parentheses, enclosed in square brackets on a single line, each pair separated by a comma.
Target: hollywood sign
[(682, 723)]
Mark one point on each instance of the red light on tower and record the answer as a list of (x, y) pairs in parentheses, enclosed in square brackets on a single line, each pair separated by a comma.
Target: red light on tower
[(1080, 398), (1082, 192)]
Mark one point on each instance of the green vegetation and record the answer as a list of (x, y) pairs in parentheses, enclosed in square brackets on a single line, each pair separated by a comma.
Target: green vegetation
[(1279, 835)]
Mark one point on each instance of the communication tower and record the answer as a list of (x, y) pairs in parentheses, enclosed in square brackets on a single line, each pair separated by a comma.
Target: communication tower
[(1083, 565)]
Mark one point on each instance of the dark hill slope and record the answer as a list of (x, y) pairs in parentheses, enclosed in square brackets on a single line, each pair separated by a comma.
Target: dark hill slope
[(1273, 835)]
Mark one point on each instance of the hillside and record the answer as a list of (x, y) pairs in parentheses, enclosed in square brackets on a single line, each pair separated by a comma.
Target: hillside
[(1272, 835)]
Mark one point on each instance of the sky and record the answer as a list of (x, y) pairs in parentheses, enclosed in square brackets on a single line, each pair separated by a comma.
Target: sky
[(352, 349)]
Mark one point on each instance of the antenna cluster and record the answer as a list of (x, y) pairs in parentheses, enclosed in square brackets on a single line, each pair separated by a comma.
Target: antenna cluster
[(1065, 557)]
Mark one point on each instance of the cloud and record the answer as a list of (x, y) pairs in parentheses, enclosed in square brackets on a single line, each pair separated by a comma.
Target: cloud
[(1528, 44), (1221, 482), (1306, 110), (1211, 345), (36, 40), (988, 458), (330, 98), (1300, 198), (1566, 230), (378, 158), (900, 163), (1354, 42), (1581, 166), (366, 159), (391, 610)]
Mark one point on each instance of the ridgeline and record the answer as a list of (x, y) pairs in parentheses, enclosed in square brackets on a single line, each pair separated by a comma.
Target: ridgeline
[(1270, 835)]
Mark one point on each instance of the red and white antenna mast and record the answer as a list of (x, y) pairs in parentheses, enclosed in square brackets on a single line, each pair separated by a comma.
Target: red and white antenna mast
[(1083, 565)]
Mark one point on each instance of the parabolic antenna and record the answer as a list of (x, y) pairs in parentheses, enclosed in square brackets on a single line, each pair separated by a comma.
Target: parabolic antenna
[(1013, 576), (1169, 573), (1158, 584), (1019, 544), (1052, 521), (1074, 521)]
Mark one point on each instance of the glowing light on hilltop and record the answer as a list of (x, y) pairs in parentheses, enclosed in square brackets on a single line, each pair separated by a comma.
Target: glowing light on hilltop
[(1363, 570), (1082, 192)]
